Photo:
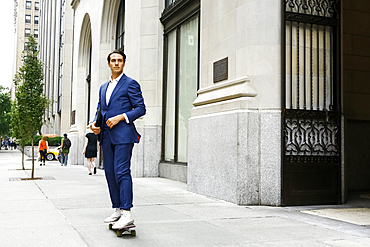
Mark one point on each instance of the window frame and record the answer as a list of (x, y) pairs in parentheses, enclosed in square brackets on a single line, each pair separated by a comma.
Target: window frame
[(37, 6), (36, 33), (36, 22), (30, 5), (25, 32), (121, 35), (172, 20), (29, 20)]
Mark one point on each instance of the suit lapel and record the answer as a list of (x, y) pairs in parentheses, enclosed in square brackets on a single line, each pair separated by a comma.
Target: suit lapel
[(104, 93), (117, 88)]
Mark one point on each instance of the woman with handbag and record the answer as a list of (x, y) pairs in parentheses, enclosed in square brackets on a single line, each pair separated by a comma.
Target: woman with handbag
[(43, 149)]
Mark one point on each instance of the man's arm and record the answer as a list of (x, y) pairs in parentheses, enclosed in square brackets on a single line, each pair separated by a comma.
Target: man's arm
[(137, 102)]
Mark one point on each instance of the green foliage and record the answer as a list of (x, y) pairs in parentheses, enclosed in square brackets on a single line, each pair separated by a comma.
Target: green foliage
[(5, 108), (30, 101), (17, 129), (55, 141)]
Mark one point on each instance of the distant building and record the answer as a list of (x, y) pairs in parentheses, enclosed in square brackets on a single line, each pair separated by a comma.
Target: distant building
[(26, 22), (253, 102), (56, 37)]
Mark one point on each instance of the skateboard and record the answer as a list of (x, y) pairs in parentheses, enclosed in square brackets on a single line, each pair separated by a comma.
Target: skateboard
[(129, 229)]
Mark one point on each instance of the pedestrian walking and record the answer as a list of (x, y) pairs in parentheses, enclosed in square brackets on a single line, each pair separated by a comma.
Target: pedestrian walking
[(43, 149), (123, 97), (66, 145), (91, 150)]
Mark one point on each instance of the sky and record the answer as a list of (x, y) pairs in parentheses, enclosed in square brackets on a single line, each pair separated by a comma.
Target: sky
[(7, 43)]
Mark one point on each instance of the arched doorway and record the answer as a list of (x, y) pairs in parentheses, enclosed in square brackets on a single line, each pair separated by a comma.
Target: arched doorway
[(84, 69)]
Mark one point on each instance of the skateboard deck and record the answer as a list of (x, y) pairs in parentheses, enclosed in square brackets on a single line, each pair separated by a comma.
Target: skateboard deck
[(127, 229)]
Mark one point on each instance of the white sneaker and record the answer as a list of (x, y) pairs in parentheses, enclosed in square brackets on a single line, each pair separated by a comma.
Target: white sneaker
[(114, 217), (125, 220)]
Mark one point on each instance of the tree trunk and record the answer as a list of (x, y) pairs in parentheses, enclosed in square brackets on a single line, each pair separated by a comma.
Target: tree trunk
[(33, 159), (23, 160)]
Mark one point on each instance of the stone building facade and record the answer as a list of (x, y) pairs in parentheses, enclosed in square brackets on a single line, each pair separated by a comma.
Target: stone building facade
[(26, 22), (253, 102)]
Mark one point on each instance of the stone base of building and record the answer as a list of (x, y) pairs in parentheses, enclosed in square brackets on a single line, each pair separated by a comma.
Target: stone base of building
[(147, 154), (174, 172), (236, 156)]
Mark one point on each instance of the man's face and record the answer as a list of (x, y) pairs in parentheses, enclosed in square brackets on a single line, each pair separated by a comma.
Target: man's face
[(116, 63)]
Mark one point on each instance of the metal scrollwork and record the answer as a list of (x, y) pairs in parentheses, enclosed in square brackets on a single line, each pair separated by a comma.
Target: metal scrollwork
[(324, 8), (311, 133)]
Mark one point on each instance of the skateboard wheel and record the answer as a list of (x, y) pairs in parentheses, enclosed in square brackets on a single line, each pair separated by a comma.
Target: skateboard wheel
[(119, 233), (133, 233), (110, 226)]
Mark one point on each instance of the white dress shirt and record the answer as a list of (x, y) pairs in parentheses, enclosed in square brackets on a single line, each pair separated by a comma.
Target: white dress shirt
[(111, 86)]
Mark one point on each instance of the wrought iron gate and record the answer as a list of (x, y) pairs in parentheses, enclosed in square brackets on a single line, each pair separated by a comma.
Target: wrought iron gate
[(311, 102)]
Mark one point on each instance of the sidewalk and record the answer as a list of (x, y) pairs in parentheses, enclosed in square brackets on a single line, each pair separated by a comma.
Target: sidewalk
[(67, 208)]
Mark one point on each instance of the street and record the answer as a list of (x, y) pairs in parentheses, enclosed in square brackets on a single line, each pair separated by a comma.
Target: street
[(67, 207)]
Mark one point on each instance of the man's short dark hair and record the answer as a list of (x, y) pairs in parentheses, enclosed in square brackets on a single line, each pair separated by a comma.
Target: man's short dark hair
[(118, 52)]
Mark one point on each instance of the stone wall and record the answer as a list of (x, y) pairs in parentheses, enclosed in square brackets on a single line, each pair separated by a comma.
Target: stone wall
[(235, 128)]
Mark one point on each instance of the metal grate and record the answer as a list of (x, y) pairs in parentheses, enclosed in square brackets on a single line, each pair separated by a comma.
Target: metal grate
[(29, 179), (311, 102), (311, 125)]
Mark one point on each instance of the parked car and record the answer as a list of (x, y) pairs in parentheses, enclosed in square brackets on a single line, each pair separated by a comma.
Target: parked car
[(53, 154)]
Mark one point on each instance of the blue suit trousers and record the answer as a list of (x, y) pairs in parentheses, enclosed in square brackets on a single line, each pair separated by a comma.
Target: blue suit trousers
[(117, 167)]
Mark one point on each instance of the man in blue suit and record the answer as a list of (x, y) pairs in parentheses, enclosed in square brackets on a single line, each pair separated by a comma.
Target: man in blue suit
[(121, 103)]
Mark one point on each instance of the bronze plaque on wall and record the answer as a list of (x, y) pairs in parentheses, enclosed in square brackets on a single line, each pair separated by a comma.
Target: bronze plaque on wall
[(220, 70)]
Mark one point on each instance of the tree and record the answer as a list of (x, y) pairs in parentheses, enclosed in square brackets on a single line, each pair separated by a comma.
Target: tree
[(30, 101), (18, 129), (5, 107)]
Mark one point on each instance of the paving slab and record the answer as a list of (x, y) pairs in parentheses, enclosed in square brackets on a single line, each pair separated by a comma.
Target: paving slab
[(67, 208), (358, 216)]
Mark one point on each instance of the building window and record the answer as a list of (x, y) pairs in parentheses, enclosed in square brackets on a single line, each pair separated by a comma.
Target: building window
[(169, 2), (28, 4), (37, 6), (26, 46), (36, 21), (120, 31), (181, 58), (28, 19), (36, 33), (182, 86), (27, 32)]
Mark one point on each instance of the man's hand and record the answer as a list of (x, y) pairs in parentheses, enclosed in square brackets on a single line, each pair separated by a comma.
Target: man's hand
[(115, 120), (95, 129)]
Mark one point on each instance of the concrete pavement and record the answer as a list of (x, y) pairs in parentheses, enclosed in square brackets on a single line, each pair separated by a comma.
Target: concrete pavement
[(67, 208)]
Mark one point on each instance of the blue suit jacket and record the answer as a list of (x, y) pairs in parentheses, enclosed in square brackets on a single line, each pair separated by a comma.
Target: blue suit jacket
[(126, 98)]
